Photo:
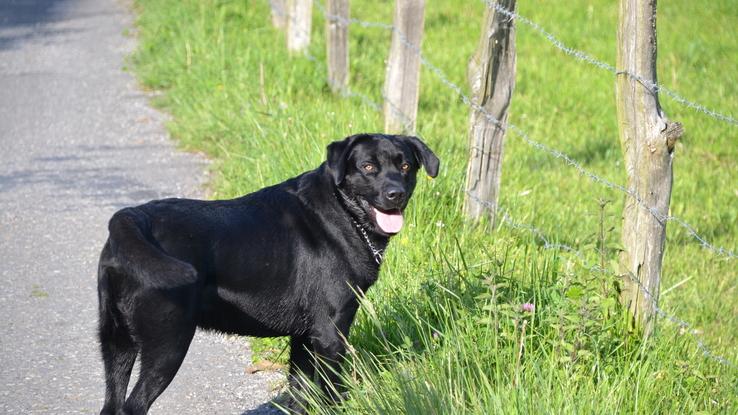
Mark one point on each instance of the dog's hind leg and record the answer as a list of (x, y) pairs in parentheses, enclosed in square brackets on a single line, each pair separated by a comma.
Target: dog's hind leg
[(117, 347), (164, 336), (119, 353)]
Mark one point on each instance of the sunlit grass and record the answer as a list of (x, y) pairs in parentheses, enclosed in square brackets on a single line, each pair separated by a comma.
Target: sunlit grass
[(441, 331)]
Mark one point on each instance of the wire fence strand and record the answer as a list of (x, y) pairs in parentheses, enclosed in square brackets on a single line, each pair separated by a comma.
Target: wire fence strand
[(584, 57)]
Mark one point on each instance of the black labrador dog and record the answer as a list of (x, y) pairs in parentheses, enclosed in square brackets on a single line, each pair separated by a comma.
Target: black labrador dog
[(286, 260)]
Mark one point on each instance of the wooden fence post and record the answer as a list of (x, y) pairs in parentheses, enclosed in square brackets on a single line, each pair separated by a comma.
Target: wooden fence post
[(336, 24), (279, 13), (299, 24), (491, 74), (401, 87), (647, 138)]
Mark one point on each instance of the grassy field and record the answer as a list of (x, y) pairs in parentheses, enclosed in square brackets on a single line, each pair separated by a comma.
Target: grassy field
[(443, 330)]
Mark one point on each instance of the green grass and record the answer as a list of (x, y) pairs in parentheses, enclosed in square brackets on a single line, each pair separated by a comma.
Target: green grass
[(441, 330)]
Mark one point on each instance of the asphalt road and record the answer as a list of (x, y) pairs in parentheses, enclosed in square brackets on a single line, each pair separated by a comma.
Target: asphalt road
[(77, 142)]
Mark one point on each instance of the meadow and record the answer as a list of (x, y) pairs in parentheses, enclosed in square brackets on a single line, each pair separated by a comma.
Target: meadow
[(444, 331)]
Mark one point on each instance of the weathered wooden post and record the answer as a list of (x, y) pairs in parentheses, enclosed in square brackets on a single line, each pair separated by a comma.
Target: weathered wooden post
[(401, 87), (299, 23), (491, 74), (337, 45), (647, 138), (279, 13)]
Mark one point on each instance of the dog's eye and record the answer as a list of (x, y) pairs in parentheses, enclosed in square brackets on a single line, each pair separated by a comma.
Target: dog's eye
[(405, 167), (369, 168)]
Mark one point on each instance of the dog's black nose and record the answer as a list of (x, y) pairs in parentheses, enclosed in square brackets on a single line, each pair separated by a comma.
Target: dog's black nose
[(394, 193)]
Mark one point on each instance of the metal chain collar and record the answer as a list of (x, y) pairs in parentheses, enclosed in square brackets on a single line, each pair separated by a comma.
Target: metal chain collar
[(377, 253)]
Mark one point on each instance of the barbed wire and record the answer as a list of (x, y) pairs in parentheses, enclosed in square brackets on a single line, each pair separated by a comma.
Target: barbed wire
[(584, 57), (719, 250), (348, 93), (547, 244), (586, 264)]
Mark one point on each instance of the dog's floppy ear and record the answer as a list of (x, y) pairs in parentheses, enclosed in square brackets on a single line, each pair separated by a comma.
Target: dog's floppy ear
[(338, 152), (424, 155)]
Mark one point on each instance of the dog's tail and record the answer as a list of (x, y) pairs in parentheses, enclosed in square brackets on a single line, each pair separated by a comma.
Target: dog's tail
[(136, 256)]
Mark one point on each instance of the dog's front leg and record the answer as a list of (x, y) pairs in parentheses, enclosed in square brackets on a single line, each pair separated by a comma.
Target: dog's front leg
[(302, 370), (329, 344), (329, 353)]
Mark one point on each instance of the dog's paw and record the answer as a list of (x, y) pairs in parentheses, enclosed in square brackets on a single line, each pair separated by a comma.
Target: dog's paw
[(289, 404)]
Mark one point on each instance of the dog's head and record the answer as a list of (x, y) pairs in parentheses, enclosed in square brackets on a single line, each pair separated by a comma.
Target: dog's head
[(377, 172)]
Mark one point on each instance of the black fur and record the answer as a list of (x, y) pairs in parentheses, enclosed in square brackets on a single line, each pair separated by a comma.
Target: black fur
[(286, 260)]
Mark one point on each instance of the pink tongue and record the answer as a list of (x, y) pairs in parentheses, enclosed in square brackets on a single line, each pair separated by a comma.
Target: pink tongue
[(390, 222)]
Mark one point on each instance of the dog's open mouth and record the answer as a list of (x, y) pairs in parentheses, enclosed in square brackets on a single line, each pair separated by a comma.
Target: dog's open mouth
[(389, 221)]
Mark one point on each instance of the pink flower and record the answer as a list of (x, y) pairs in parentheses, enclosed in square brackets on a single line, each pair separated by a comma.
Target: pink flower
[(528, 308)]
